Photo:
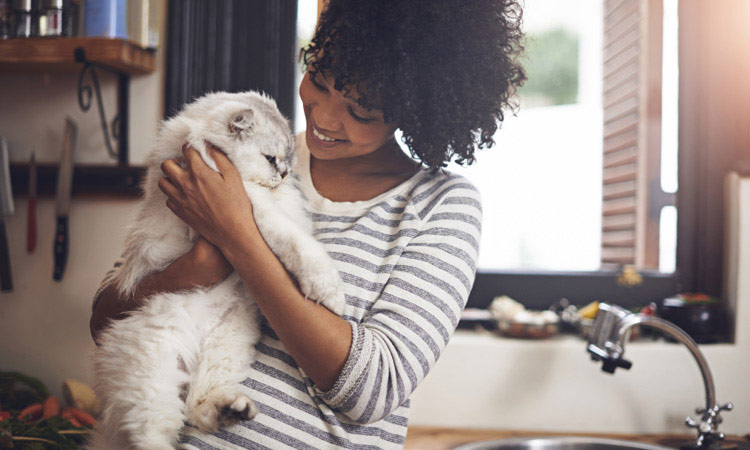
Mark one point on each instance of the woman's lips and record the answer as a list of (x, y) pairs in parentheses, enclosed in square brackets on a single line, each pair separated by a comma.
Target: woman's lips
[(321, 142)]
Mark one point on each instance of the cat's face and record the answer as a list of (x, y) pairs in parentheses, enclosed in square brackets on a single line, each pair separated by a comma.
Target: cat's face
[(252, 132)]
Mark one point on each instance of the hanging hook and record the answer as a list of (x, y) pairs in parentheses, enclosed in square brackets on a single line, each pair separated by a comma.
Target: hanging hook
[(85, 96)]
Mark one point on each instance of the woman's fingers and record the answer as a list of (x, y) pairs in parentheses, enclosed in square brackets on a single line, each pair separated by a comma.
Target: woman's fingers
[(194, 161), (169, 189), (172, 170), (175, 209), (225, 166)]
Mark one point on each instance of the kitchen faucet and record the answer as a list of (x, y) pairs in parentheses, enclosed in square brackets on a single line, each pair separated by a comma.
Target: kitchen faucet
[(607, 344)]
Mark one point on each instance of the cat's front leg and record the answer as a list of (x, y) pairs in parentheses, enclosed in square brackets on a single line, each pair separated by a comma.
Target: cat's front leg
[(302, 256), (217, 397)]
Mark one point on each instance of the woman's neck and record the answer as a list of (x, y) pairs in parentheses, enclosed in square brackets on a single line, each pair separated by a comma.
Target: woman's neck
[(362, 177)]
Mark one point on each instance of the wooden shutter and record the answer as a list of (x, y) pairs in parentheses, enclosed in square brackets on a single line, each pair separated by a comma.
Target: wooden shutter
[(632, 132)]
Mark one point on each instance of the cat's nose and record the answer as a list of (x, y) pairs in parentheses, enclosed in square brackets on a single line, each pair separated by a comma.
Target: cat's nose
[(284, 174)]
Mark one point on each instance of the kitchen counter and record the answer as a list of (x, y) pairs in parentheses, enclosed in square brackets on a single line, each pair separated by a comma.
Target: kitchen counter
[(437, 438)]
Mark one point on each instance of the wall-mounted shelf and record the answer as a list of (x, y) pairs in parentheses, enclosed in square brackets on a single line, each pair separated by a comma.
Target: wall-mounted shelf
[(58, 55), (85, 55)]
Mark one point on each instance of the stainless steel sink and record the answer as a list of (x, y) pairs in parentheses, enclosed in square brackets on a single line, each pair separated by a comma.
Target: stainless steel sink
[(559, 443)]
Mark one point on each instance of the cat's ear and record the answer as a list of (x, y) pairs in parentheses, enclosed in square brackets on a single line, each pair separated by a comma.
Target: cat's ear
[(241, 123)]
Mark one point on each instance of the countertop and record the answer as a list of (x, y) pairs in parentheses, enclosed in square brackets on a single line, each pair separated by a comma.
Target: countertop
[(435, 438)]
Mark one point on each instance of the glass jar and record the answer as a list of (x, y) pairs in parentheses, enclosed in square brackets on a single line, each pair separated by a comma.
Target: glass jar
[(51, 18), (6, 19), (23, 25)]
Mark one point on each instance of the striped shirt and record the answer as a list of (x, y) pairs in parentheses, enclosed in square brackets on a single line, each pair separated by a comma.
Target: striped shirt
[(407, 258)]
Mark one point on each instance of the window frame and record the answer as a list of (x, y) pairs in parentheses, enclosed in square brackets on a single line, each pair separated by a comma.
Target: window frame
[(539, 289)]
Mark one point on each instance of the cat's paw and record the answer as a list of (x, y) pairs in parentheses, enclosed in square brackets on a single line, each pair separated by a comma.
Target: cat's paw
[(335, 303), (237, 409), (221, 409), (325, 287)]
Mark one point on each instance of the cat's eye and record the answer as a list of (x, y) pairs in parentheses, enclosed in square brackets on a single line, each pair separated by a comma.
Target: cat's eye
[(271, 159)]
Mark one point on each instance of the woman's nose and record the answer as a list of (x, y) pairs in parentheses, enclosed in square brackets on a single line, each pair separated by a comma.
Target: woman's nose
[(326, 116)]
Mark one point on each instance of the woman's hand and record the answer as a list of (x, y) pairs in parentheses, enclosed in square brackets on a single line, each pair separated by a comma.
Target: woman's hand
[(214, 204)]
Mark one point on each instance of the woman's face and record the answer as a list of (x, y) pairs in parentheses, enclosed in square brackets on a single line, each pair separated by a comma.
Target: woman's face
[(337, 127)]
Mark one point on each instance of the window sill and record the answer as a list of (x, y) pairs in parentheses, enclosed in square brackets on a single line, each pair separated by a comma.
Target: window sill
[(562, 341)]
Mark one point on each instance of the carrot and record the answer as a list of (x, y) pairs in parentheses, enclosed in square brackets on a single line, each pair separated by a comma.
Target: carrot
[(33, 411), (67, 414), (4, 415), (82, 416), (51, 407)]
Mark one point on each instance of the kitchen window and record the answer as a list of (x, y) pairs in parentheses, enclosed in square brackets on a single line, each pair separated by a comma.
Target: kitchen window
[(583, 179)]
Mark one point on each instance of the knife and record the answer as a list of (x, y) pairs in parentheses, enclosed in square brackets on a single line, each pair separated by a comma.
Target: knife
[(31, 208), (6, 209), (64, 186)]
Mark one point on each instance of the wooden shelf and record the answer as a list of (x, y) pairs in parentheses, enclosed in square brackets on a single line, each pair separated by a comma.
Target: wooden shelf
[(57, 55)]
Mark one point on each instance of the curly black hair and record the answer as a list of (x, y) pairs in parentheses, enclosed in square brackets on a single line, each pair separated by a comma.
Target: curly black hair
[(442, 71)]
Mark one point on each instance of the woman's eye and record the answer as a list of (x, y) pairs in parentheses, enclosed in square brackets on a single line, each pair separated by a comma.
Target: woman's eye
[(359, 118)]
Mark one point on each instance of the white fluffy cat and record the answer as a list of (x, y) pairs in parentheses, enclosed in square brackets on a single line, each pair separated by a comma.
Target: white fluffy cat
[(182, 356)]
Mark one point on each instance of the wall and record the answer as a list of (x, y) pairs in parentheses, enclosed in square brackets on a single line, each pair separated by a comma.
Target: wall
[(483, 381), (44, 324)]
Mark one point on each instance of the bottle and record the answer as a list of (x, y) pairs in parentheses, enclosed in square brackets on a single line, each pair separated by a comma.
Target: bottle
[(106, 18), (22, 19), (51, 18), (71, 18), (6, 19)]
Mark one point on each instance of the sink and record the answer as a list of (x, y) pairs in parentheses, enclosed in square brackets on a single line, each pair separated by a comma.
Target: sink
[(559, 443)]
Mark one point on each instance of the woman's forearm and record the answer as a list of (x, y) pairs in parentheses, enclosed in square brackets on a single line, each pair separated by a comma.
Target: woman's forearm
[(316, 338), (186, 272)]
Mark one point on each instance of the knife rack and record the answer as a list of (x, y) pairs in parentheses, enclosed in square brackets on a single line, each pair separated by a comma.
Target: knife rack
[(88, 180)]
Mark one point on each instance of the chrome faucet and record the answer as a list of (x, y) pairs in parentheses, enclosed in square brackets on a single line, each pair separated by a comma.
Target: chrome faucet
[(607, 344)]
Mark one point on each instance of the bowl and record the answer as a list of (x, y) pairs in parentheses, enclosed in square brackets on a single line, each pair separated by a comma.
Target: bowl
[(526, 330)]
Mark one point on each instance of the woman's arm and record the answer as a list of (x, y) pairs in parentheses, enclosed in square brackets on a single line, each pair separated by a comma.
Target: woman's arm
[(216, 206), (316, 338), (203, 265)]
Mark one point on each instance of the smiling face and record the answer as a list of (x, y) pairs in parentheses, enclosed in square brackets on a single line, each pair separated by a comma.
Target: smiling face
[(337, 127)]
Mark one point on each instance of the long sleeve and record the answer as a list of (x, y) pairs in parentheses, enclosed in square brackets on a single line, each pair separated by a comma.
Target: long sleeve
[(399, 340)]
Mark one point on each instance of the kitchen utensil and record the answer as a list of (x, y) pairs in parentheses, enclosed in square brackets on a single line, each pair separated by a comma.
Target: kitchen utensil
[(527, 329), (6, 209), (64, 186), (31, 208), (514, 320)]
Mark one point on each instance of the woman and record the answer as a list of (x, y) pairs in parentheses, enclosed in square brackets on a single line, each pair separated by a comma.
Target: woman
[(403, 233)]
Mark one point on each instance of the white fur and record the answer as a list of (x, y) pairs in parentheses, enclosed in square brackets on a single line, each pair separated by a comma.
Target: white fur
[(182, 356)]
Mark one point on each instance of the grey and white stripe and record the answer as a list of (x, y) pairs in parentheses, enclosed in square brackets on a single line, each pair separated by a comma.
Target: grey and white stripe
[(408, 259)]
